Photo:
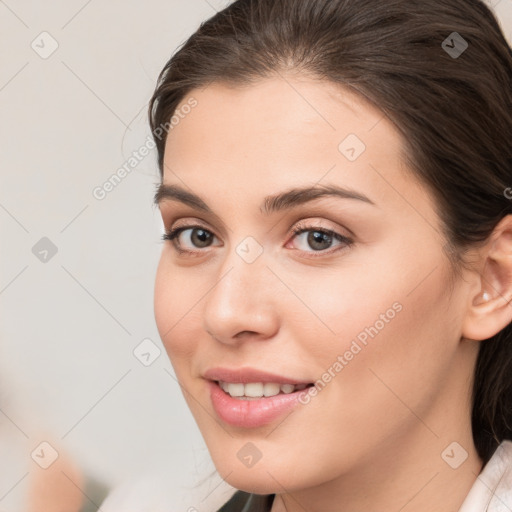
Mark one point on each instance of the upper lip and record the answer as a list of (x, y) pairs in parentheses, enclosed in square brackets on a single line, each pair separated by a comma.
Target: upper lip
[(246, 375)]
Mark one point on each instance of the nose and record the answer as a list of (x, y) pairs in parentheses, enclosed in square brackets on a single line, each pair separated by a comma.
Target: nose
[(242, 302)]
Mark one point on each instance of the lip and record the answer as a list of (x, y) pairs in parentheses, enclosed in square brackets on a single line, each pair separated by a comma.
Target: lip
[(246, 374), (251, 413)]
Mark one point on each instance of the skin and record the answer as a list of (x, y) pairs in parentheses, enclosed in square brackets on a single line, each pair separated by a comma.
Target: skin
[(56, 488), (372, 439)]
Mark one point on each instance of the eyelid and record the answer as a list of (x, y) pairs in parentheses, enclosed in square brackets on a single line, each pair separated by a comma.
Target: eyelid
[(312, 225), (186, 216)]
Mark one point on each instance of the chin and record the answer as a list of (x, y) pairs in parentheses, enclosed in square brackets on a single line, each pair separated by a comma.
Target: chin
[(267, 476), (261, 483)]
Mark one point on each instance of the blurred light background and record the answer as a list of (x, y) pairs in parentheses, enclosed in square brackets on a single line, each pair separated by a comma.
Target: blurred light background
[(77, 267)]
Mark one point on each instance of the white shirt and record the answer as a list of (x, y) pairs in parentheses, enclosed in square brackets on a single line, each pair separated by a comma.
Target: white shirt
[(492, 490)]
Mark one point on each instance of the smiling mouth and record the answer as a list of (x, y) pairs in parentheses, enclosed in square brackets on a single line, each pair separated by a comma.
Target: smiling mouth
[(258, 390)]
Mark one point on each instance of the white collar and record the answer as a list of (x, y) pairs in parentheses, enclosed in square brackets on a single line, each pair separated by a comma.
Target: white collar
[(492, 490)]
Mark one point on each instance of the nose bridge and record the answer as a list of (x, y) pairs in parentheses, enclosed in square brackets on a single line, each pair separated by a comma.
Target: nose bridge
[(241, 272), (240, 299)]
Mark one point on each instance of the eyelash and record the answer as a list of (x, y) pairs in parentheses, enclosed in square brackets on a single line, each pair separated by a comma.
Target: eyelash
[(300, 228)]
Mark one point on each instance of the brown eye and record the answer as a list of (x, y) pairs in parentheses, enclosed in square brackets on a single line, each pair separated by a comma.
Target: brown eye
[(198, 238), (318, 240)]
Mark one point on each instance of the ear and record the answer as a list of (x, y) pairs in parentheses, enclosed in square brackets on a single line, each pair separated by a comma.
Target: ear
[(489, 309)]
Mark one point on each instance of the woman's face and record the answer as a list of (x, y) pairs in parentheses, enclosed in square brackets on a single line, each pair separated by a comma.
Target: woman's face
[(366, 313)]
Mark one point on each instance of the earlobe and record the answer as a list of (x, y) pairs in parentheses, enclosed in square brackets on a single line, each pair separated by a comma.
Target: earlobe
[(490, 309)]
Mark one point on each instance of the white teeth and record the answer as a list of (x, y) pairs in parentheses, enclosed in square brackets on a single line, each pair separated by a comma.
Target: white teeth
[(258, 389), (254, 389), (236, 389), (271, 389)]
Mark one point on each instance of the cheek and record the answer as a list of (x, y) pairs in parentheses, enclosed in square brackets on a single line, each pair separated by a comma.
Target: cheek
[(339, 305), (393, 318), (387, 285), (175, 314), (401, 346)]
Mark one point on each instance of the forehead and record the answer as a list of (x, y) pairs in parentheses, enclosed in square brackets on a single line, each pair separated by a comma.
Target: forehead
[(278, 132), (292, 113)]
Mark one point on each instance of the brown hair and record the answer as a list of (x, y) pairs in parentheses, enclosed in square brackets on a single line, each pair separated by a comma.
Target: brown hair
[(453, 111)]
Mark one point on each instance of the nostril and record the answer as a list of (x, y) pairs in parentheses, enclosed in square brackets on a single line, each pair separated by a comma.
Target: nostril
[(243, 333)]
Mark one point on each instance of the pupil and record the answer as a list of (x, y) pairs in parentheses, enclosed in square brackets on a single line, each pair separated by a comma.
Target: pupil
[(316, 237), (201, 235)]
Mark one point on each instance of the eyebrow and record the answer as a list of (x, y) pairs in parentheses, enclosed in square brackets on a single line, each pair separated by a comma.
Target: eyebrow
[(275, 203)]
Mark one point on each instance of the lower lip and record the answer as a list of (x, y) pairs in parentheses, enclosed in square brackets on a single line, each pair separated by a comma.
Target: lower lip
[(251, 413)]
